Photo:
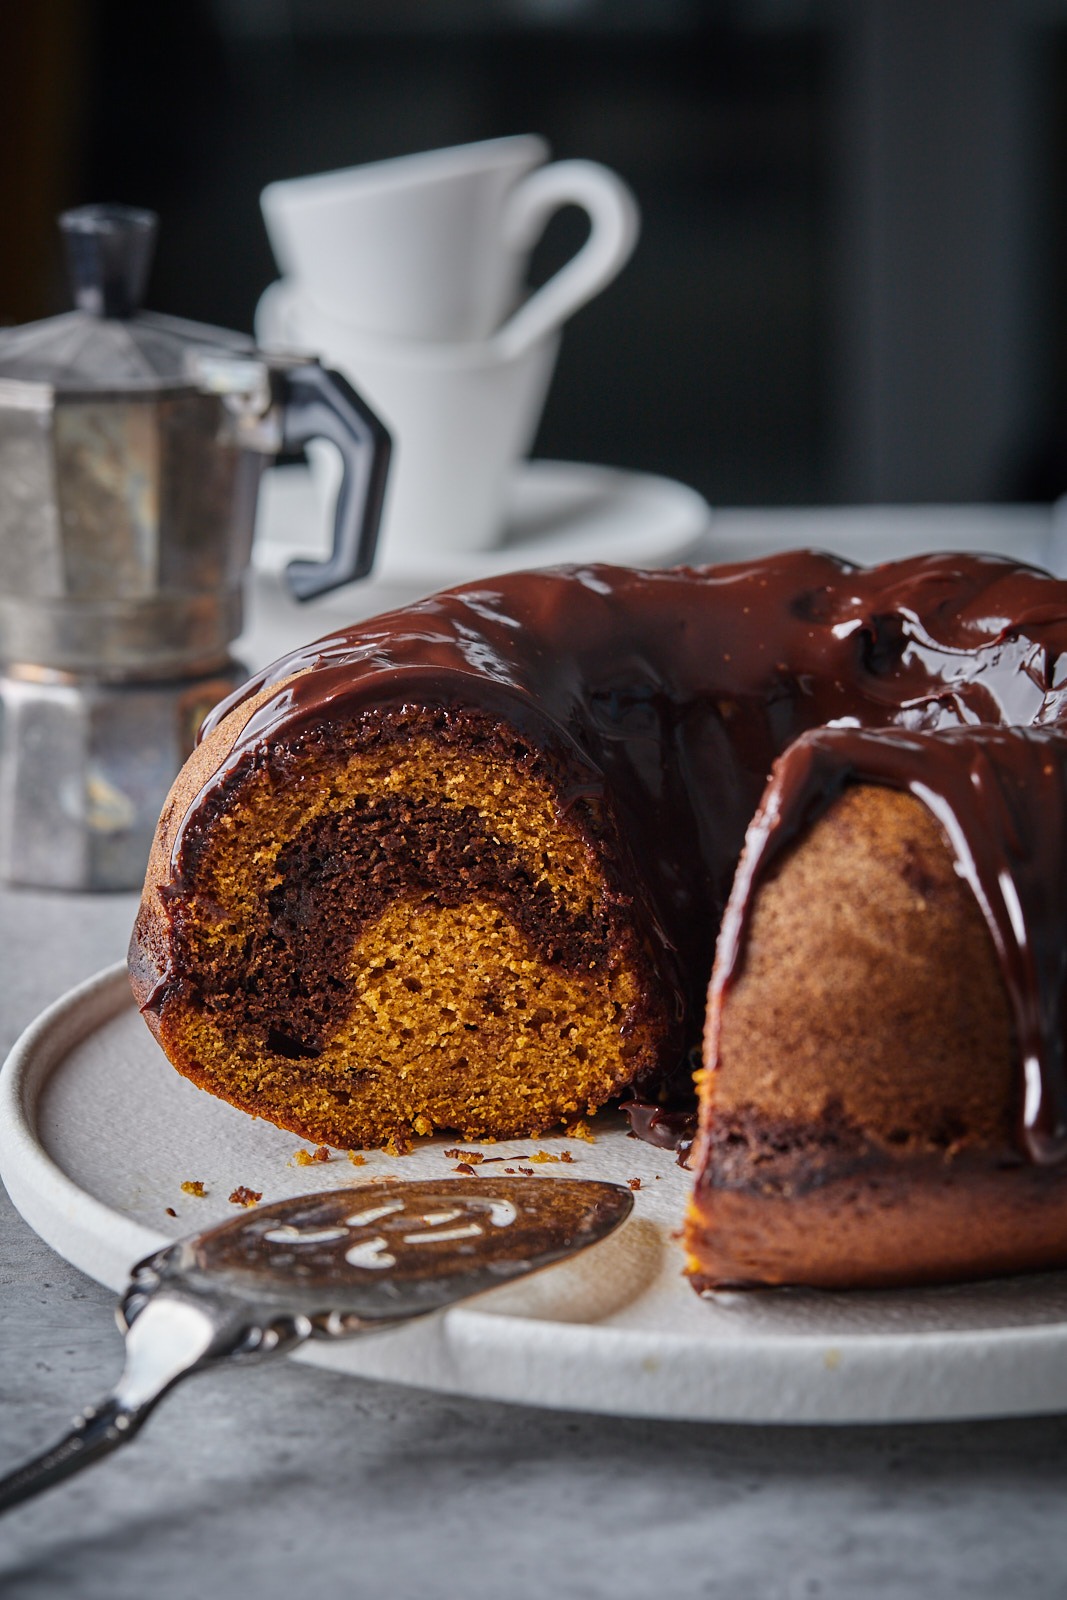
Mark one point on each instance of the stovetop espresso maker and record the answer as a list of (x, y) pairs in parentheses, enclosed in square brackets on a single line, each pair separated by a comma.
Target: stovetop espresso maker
[(131, 449)]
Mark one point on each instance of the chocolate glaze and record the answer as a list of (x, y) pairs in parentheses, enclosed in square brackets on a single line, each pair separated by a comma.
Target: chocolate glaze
[(668, 1128), (664, 698)]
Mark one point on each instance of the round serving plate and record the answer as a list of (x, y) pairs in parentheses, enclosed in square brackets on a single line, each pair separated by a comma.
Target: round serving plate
[(98, 1134)]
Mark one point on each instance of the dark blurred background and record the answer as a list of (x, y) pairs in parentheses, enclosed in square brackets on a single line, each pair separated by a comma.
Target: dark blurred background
[(848, 286)]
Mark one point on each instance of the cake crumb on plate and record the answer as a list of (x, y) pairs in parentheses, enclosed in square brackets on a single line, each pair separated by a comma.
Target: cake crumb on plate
[(581, 1130), (307, 1158)]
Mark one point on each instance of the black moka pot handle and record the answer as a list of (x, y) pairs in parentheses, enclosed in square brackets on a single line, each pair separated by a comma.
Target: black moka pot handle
[(319, 404)]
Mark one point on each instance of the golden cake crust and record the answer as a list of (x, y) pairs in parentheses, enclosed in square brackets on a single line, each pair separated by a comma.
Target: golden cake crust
[(150, 942)]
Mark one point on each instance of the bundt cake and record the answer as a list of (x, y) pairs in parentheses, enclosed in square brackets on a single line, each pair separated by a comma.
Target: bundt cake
[(465, 866)]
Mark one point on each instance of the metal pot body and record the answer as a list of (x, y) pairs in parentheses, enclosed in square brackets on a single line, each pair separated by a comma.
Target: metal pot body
[(131, 450), (126, 525), (85, 766)]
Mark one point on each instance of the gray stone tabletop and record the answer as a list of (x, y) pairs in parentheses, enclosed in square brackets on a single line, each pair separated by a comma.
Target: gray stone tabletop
[(293, 1480)]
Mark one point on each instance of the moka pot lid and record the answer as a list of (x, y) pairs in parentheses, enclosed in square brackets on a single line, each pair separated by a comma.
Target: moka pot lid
[(108, 345)]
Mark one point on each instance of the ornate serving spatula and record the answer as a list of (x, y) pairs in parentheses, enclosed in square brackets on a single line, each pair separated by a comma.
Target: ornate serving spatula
[(335, 1265)]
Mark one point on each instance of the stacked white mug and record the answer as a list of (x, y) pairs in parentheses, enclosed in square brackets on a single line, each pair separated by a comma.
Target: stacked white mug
[(407, 276)]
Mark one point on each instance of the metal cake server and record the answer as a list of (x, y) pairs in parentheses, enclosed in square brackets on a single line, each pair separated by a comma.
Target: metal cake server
[(334, 1265)]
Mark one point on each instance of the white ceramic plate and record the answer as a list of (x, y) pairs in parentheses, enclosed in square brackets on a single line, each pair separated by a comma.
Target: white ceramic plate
[(557, 511), (97, 1134)]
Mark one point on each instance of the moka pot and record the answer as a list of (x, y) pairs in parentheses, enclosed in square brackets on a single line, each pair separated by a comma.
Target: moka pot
[(131, 450)]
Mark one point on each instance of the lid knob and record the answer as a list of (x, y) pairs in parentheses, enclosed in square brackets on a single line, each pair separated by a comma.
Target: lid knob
[(109, 251)]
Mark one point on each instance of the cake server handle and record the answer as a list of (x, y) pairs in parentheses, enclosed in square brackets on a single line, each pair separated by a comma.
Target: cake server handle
[(171, 1336)]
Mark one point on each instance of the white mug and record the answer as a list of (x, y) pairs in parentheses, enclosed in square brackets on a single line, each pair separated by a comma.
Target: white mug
[(461, 416), (435, 246)]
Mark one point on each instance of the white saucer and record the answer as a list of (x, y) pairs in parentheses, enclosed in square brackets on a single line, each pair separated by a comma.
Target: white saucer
[(97, 1134), (557, 511)]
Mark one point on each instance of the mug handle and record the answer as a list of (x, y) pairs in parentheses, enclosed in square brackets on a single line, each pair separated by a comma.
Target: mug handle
[(615, 223), (318, 404)]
